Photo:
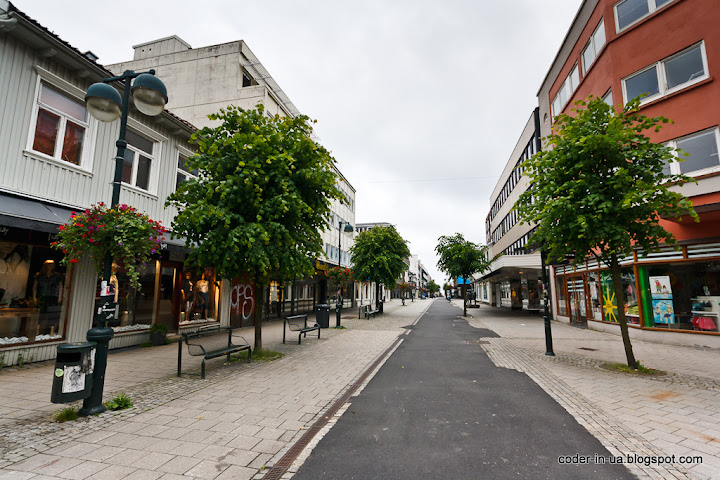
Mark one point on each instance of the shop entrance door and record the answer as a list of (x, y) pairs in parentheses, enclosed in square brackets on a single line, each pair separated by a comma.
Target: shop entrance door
[(578, 304), (169, 298)]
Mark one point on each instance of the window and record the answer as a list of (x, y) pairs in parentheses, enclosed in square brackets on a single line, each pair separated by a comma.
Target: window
[(702, 150), (183, 174), (608, 98), (566, 90), (596, 42), (60, 125), (138, 161), (668, 75), (629, 12)]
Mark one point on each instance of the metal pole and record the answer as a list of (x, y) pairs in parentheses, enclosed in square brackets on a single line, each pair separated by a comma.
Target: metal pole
[(338, 305), (546, 311), (101, 333)]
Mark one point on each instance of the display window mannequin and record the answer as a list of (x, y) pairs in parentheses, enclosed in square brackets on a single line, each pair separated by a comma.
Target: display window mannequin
[(187, 295), (202, 287), (48, 286)]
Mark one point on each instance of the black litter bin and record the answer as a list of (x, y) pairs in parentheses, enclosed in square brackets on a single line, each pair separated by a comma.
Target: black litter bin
[(322, 315), (72, 379)]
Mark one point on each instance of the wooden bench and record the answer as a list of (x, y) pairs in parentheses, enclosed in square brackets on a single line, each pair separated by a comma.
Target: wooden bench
[(366, 311), (210, 342), (298, 324)]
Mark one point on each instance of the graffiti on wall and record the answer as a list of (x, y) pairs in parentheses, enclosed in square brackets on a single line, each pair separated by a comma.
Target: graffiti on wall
[(242, 300)]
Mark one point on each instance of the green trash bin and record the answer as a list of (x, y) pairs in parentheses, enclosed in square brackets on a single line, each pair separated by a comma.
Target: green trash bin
[(72, 377)]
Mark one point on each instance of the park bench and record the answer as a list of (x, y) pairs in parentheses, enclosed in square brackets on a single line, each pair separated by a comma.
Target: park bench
[(367, 311), (298, 324), (210, 342)]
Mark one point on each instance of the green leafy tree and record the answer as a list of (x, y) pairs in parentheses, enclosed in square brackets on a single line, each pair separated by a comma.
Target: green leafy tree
[(461, 258), (599, 190), (260, 201), (379, 256), (432, 287)]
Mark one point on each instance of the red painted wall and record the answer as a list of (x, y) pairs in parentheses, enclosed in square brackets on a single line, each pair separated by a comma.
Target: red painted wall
[(669, 30)]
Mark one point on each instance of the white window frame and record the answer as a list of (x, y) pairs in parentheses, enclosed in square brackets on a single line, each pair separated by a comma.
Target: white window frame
[(652, 8), (187, 154), (158, 141), (659, 66), (675, 167), (567, 84), (90, 125), (595, 48)]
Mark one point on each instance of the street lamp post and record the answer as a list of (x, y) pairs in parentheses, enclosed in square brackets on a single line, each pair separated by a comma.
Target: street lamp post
[(105, 104), (546, 312), (338, 306)]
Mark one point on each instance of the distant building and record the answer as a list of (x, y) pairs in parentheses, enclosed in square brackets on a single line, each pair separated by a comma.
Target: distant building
[(204, 80), (514, 278)]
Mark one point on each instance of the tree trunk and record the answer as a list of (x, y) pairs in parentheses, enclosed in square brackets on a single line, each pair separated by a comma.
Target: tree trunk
[(464, 294), (620, 299), (259, 303), (377, 295)]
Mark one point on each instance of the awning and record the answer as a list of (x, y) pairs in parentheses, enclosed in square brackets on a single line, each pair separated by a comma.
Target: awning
[(21, 212)]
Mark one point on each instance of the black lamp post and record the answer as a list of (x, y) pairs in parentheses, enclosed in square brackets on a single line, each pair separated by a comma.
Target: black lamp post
[(546, 311), (104, 103), (338, 306)]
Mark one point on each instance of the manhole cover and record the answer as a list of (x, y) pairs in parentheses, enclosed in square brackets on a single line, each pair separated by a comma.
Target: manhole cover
[(478, 342), (588, 349)]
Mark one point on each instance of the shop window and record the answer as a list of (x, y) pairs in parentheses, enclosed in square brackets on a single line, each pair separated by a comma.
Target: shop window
[(702, 150), (33, 294), (135, 304), (199, 296), (138, 161), (668, 75), (60, 124), (594, 295), (561, 300), (628, 12), (685, 297), (609, 299)]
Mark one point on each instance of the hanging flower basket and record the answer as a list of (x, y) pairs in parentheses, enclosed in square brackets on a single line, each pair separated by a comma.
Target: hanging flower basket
[(339, 276), (130, 237)]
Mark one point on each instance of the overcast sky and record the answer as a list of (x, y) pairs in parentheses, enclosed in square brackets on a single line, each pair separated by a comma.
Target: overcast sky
[(421, 102)]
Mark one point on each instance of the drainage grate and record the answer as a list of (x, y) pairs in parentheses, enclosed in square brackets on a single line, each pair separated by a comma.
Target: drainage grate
[(588, 349)]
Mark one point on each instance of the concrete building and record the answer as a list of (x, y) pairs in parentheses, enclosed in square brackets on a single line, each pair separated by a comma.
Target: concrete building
[(204, 80), (668, 50), (514, 279)]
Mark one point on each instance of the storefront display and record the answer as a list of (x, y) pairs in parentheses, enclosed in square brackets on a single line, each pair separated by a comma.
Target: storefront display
[(33, 293), (199, 297)]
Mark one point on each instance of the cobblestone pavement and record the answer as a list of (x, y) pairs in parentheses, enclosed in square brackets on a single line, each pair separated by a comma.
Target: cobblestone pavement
[(674, 414), (230, 426)]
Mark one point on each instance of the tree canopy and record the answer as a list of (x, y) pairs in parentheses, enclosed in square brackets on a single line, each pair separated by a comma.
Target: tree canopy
[(379, 256), (260, 200), (599, 189), (432, 287), (461, 258)]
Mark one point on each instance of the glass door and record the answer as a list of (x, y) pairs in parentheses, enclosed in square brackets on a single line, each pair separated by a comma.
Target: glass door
[(578, 305)]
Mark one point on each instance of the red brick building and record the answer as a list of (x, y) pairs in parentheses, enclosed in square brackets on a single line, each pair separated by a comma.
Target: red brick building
[(668, 50)]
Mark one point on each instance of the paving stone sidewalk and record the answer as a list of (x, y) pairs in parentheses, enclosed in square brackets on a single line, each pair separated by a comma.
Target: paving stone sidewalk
[(230, 425), (674, 414)]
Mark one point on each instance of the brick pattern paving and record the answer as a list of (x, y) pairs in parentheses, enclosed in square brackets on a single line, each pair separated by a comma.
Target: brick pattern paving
[(229, 426)]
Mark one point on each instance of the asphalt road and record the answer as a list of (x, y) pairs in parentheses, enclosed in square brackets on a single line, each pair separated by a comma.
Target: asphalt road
[(439, 409)]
